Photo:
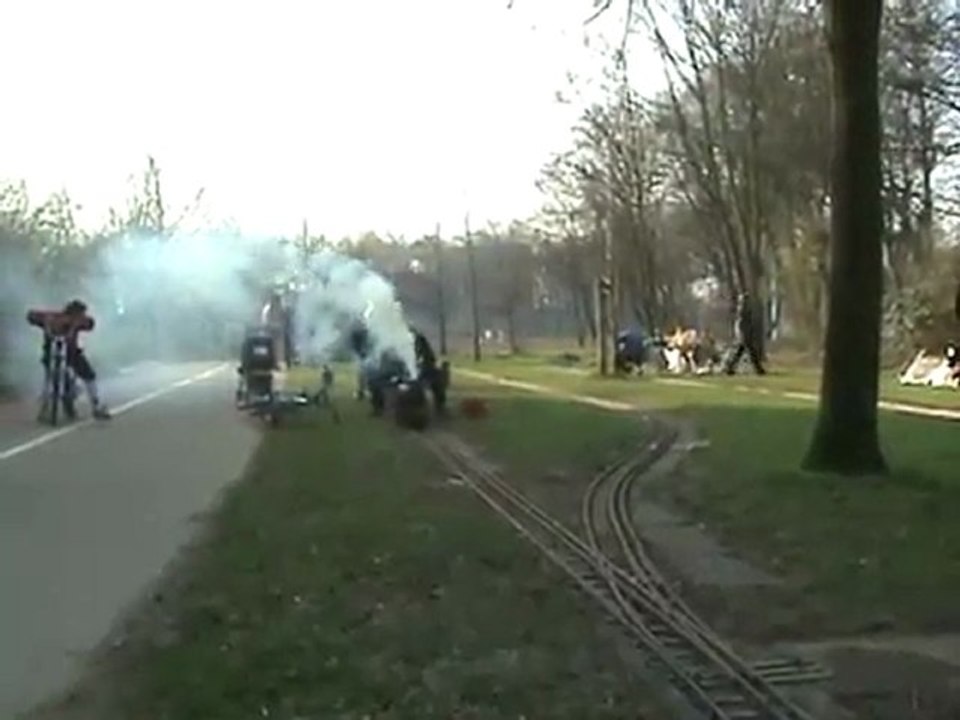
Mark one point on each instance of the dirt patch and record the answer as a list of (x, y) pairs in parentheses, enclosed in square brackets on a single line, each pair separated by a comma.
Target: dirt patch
[(942, 648), (886, 677), (873, 677), (892, 685), (696, 555), (729, 592)]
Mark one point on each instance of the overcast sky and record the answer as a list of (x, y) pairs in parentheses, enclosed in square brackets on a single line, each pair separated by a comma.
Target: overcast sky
[(387, 115)]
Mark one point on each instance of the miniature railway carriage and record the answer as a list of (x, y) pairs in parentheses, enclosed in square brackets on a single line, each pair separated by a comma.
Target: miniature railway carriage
[(257, 363), (256, 392)]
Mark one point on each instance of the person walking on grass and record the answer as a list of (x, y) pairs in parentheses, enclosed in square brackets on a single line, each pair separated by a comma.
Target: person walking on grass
[(749, 335)]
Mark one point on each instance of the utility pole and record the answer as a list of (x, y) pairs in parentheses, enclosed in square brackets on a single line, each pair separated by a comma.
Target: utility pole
[(608, 291), (474, 293), (304, 252), (441, 300), (613, 276), (604, 298)]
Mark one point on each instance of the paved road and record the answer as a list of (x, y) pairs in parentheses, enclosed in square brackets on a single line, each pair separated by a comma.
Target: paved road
[(89, 515)]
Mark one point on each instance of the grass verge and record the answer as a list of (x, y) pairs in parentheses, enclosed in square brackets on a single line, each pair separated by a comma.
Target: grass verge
[(346, 578), (784, 375), (547, 447), (856, 554)]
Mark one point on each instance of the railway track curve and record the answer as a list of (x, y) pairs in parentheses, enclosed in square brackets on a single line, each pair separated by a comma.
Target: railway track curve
[(622, 580)]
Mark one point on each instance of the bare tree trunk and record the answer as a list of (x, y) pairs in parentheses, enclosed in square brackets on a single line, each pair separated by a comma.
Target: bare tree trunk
[(845, 437), (441, 300), (606, 300), (603, 339), (512, 331)]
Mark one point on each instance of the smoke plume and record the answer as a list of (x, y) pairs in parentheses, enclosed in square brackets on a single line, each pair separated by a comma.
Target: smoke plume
[(191, 296), (337, 291)]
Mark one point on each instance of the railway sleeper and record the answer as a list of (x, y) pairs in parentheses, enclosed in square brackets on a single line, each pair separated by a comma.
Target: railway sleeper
[(671, 642), (668, 636), (810, 672), (594, 582), (663, 631), (779, 662), (711, 681), (587, 574), (733, 698), (800, 678), (739, 714), (684, 657)]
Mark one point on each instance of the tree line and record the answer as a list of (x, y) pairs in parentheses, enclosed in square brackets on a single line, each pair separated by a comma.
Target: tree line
[(724, 177)]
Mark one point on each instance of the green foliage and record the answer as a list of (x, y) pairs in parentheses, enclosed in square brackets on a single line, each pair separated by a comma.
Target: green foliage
[(920, 313)]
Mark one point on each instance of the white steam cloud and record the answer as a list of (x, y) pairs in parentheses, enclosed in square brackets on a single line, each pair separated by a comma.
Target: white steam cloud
[(190, 296), (337, 291)]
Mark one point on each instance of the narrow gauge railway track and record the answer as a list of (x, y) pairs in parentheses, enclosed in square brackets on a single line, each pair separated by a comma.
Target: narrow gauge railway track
[(712, 678), (725, 677)]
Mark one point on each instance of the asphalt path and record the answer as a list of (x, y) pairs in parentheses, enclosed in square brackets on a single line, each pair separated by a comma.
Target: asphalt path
[(91, 513)]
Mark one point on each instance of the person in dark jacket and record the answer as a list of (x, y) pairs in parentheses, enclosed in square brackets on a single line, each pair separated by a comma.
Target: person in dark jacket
[(631, 351), (428, 373), (749, 335), (361, 344)]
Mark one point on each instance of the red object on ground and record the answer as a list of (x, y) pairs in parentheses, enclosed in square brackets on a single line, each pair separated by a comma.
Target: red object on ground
[(473, 408)]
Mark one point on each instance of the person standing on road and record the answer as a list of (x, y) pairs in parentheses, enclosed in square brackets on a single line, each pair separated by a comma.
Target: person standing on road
[(749, 334), (69, 323)]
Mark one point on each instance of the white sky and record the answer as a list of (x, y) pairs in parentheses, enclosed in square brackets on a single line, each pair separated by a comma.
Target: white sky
[(387, 115)]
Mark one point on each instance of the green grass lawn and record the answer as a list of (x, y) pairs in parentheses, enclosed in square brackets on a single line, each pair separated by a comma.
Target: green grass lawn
[(787, 376), (548, 447), (345, 577), (852, 550), (808, 380)]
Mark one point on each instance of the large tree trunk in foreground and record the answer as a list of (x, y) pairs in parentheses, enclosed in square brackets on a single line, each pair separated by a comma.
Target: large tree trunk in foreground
[(845, 438)]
